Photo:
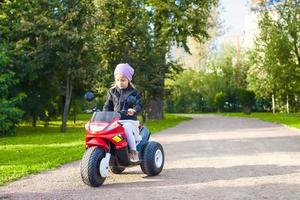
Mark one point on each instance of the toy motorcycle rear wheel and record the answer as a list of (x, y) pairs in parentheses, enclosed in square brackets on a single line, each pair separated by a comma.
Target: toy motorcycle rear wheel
[(89, 167), (153, 159)]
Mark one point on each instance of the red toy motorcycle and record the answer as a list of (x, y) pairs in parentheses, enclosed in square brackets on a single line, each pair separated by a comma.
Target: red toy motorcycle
[(106, 147)]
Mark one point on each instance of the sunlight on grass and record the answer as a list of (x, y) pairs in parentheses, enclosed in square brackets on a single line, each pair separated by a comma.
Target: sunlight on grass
[(292, 120)]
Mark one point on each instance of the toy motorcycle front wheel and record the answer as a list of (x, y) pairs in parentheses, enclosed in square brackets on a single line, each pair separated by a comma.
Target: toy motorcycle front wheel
[(94, 166), (153, 159)]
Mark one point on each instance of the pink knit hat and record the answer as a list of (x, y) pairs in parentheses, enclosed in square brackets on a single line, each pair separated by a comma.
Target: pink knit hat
[(124, 69)]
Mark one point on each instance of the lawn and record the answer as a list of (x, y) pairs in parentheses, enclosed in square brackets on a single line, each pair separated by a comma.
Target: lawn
[(291, 120), (33, 150)]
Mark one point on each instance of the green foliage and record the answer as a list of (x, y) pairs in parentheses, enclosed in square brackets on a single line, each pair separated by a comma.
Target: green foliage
[(10, 114), (220, 101), (52, 42), (183, 93), (27, 29), (246, 99), (216, 88), (275, 60), (125, 36), (62, 48), (142, 32)]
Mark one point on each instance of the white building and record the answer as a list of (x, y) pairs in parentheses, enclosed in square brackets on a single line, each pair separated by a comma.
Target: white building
[(251, 29), (194, 60)]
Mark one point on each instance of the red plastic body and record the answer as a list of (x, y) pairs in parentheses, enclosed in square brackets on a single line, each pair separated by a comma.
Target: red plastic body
[(103, 137)]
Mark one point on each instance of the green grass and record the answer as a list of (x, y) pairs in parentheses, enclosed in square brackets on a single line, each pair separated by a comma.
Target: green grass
[(33, 150), (291, 120)]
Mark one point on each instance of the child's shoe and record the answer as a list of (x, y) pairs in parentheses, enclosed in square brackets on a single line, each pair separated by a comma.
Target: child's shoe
[(134, 156)]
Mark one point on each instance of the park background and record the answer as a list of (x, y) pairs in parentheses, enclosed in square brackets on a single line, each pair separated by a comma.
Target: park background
[(52, 52)]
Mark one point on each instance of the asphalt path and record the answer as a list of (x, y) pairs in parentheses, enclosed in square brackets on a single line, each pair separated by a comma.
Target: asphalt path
[(209, 157)]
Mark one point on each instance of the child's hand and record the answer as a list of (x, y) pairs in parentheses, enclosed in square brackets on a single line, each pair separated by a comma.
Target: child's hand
[(131, 111)]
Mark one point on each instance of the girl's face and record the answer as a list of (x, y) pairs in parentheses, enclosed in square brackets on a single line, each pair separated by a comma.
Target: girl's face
[(121, 81)]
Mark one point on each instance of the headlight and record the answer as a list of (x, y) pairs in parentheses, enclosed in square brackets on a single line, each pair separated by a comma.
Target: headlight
[(112, 126), (95, 127)]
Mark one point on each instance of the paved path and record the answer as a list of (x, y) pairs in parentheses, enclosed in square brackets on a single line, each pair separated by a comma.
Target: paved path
[(209, 157)]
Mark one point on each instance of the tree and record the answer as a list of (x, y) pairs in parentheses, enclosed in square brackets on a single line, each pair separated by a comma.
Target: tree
[(185, 92), (173, 22), (24, 45), (10, 114), (74, 46), (216, 88), (53, 45), (226, 73), (275, 57), (142, 32), (220, 101), (246, 99)]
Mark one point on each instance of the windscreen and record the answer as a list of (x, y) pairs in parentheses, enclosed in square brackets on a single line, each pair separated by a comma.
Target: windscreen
[(105, 116)]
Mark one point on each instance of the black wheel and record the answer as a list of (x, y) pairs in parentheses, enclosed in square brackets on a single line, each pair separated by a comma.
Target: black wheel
[(153, 159), (114, 166), (90, 167)]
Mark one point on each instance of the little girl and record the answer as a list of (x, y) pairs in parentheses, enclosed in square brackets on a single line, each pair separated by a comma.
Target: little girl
[(118, 100)]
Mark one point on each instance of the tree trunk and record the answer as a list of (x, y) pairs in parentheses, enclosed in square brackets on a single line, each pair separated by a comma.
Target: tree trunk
[(273, 103), (287, 104), (144, 117), (247, 110), (74, 110), (156, 103), (34, 120), (155, 109), (296, 48), (69, 88)]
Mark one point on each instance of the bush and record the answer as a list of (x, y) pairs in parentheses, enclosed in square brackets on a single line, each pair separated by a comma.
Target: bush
[(247, 100), (220, 101)]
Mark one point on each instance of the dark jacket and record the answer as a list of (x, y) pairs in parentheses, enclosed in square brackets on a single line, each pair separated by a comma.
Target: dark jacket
[(117, 100)]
